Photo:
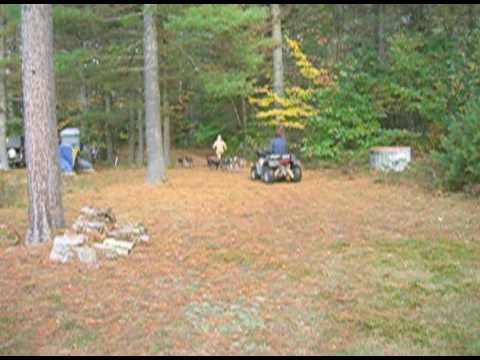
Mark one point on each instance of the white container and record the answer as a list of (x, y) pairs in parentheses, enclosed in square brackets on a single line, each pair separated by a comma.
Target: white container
[(390, 158)]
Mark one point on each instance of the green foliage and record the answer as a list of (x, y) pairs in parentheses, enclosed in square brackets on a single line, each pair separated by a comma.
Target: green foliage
[(459, 157), (399, 137), (15, 127), (222, 53), (346, 121), (206, 132), (223, 43)]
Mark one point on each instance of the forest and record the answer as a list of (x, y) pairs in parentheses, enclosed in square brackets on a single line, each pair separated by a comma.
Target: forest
[(340, 259), (355, 77)]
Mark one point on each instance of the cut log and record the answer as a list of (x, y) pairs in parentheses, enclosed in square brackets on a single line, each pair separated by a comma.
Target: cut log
[(97, 225), (131, 232), (70, 240), (99, 214), (110, 250), (94, 227), (63, 247), (87, 255), (119, 244), (390, 158)]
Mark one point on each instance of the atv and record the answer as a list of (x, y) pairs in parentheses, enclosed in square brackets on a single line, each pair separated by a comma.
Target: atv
[(273, 167)]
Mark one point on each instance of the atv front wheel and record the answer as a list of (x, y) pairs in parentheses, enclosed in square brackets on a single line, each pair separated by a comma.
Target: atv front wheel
[(253, 173)]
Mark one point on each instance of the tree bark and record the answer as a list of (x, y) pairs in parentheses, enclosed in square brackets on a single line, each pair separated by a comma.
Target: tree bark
[(472, 17), (141, 138), (339, 20), (83, 97), (41, 139), (131, 136), (244, 113), (380, 30), (278, 83), (108, 129), (3, 97), (166, 126), (155, 158), (55, 186)]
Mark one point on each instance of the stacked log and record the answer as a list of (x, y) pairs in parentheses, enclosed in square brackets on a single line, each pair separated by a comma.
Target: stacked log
[(100, 227)]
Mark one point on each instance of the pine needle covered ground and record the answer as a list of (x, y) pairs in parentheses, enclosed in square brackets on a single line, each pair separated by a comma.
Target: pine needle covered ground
[(332, 265)]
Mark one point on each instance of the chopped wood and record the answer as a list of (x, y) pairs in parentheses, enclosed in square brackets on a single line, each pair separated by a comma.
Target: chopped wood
[(98, 226), (108, 248), (119, 243)]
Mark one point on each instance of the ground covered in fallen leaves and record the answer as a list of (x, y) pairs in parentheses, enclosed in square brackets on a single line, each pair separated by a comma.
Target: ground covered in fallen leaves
[(333, 265)]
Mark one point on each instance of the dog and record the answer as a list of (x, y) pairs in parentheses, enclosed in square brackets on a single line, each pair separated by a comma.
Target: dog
[(234, 163), (185, 161), (213, 162)]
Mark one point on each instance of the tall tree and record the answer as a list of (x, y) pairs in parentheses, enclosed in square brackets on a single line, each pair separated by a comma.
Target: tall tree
[(131, 136), (166, 125), (108, 128), (41, 139), (3, 96), (380, 30), (141, 138), (278, 83), (156, 172)]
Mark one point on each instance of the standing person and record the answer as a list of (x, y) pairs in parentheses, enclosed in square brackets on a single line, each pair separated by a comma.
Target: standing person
[(279, 143), (220, 147)]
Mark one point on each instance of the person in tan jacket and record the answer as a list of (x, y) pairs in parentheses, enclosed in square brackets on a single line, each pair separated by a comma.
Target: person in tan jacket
[(219, 146)]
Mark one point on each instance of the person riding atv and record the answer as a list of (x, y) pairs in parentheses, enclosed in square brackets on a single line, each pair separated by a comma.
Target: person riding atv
[(279, 143), (276, 163)]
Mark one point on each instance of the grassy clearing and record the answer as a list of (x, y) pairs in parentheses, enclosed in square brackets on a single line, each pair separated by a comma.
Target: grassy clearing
[(423, 298)]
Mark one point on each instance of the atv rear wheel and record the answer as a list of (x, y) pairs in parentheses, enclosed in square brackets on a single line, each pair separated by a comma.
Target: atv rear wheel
[(297, 173)]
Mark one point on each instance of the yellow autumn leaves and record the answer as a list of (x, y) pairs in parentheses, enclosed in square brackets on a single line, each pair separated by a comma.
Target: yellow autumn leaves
[(293, 109)]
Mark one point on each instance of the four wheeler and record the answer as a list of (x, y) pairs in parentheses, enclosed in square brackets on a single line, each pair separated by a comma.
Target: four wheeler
[(273, 167)]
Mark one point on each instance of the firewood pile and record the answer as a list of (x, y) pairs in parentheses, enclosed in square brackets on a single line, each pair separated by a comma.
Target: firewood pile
[(97, 230)]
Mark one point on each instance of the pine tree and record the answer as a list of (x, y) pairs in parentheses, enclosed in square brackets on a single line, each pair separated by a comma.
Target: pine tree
[(44, 187), (155, 156)]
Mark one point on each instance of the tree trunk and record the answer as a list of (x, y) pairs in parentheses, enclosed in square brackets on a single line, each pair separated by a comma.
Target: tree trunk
[(83, 97), (141, 138), (131, 137), (339, 20), (236, 114), (155, 158), (244, 113), (380, 31), (3, 97), (55, 186), (108, 129), (278, 84), (419, 15), (41, 139), (472, 17), (166, 126)]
